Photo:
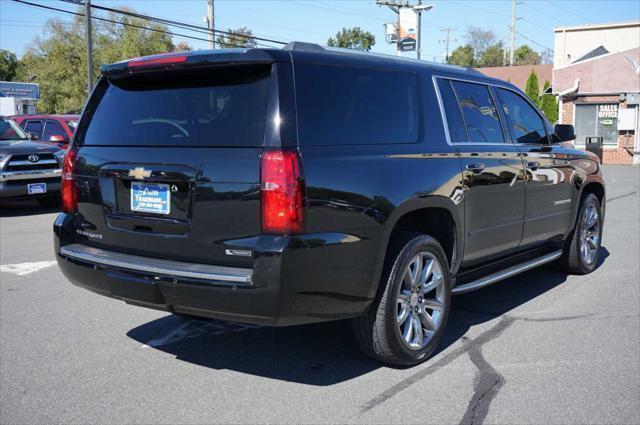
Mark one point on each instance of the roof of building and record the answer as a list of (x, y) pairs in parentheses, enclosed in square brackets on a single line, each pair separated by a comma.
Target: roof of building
[(598, 51), (611, 73), (598, 26), (518, 75)]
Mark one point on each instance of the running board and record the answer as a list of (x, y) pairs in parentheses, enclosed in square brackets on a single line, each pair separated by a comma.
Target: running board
[(506, 273)]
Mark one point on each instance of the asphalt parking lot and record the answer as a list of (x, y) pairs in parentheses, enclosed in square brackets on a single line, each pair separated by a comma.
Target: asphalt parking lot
[(538, 348)]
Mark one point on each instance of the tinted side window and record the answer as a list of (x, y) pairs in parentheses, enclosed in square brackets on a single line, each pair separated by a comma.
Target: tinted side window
[(457, 132), (479, 112), (53, 128), (34, 127), (525, 123), (345, 106)]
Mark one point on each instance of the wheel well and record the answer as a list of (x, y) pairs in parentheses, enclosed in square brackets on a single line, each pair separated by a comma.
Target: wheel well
[(435, 222), (596, 189)]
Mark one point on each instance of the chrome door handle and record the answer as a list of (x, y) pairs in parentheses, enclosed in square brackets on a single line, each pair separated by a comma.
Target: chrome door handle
[(475, 168)]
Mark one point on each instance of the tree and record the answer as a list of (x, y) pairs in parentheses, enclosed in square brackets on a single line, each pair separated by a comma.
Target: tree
[(353, 38), (525, 55), (480, 40), (182, 47), (58, 61), (493, 56), (238, 38), (549, 104), (546, 56), (8, 65), (462, 56), (533, 89)]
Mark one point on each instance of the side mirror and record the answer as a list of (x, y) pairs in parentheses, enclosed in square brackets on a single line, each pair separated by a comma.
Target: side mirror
[(565, 132), (32, 136), (57, 138)]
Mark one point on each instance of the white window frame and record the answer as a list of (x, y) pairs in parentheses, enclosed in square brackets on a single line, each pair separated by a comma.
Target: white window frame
[(605, 146)]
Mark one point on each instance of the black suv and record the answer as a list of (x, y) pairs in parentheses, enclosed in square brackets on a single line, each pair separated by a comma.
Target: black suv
[(302, 185)]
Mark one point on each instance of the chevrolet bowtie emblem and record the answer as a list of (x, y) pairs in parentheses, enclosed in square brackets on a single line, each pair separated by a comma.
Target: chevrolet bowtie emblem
[(139, 173)]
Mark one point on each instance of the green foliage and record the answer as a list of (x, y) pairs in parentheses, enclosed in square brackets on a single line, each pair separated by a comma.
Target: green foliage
[(8, 65), (238, 38), (533, 89), (549, 104), (463, 56), (58, 59), (525, 55), (353, 38), (492, 56)]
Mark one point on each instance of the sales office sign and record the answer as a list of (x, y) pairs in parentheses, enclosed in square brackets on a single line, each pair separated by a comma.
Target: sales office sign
[(608, 111)]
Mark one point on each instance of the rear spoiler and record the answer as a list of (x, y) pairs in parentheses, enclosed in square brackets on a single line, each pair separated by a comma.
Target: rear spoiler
[(193, 60)]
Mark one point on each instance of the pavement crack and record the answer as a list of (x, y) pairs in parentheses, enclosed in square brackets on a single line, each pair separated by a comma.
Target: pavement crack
[(486, 388), (480, 340), (615, 198)]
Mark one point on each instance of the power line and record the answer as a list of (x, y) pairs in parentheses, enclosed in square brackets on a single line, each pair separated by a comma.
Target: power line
[(107, 20), (183, 24), (528, 4), (533, 41), (126, 24)]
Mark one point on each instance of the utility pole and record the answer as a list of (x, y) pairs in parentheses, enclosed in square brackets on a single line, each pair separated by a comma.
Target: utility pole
[(448, 30), (417, 8), (513, 32), (211, 24), (87, 15)]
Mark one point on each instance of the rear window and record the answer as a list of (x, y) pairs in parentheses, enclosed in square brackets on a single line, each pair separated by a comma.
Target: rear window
[(223, 107), (346, 106)]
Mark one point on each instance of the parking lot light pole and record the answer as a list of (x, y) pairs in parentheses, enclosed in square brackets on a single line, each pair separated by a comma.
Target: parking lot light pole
[(87, 15)]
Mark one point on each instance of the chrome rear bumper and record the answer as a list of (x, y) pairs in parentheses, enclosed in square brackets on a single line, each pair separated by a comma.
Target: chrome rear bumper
[(178, 269)]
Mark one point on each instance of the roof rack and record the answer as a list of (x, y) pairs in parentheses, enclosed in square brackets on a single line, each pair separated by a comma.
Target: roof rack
[(301, 46)]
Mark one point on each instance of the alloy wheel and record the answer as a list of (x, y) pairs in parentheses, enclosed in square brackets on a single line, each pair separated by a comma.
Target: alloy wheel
[(589, 234), (420, 300)]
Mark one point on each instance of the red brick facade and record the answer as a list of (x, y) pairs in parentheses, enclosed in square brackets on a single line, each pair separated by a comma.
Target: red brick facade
[(610, 73), (610, 154)]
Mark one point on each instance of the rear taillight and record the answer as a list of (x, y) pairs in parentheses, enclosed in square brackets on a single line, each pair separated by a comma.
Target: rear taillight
[(281, 192), (69, 196), (160, 60)]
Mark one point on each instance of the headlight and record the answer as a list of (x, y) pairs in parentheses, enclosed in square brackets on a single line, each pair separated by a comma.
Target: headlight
[(2, 155)]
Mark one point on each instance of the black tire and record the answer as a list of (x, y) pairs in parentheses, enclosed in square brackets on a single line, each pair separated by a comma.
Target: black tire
[(377, 333), (572, 261), (49, 202)]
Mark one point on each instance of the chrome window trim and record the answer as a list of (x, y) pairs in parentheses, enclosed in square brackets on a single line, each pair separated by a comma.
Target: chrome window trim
[(445, 123), (170, 268)]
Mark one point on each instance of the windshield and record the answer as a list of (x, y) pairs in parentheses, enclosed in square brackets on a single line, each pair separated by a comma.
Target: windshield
[(9, 130), (225, 107)]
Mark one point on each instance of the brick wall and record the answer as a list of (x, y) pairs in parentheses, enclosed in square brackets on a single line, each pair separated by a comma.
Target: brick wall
[(610, 154)]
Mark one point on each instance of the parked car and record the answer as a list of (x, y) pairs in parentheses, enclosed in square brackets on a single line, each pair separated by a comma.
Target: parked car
[(28, 169), (285, 187), (56, 129)]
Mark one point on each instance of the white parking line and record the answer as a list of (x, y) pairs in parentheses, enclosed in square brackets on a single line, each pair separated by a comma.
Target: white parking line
[(22, 269)]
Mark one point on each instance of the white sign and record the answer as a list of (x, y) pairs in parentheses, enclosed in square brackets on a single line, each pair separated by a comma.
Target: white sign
[(608, 111), (408, 29)]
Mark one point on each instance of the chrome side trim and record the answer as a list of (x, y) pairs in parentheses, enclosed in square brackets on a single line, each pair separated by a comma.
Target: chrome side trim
[(157, 266), (40, 162), (30, 174), (506, 273)]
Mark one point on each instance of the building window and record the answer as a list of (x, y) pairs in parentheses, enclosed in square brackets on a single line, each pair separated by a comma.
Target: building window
[(597, 120)]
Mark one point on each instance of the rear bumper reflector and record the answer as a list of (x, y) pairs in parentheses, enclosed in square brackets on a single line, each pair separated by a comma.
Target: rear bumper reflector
[(156, 266)]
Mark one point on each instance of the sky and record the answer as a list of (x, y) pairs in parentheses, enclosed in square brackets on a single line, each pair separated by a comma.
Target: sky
[(316, 20)]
